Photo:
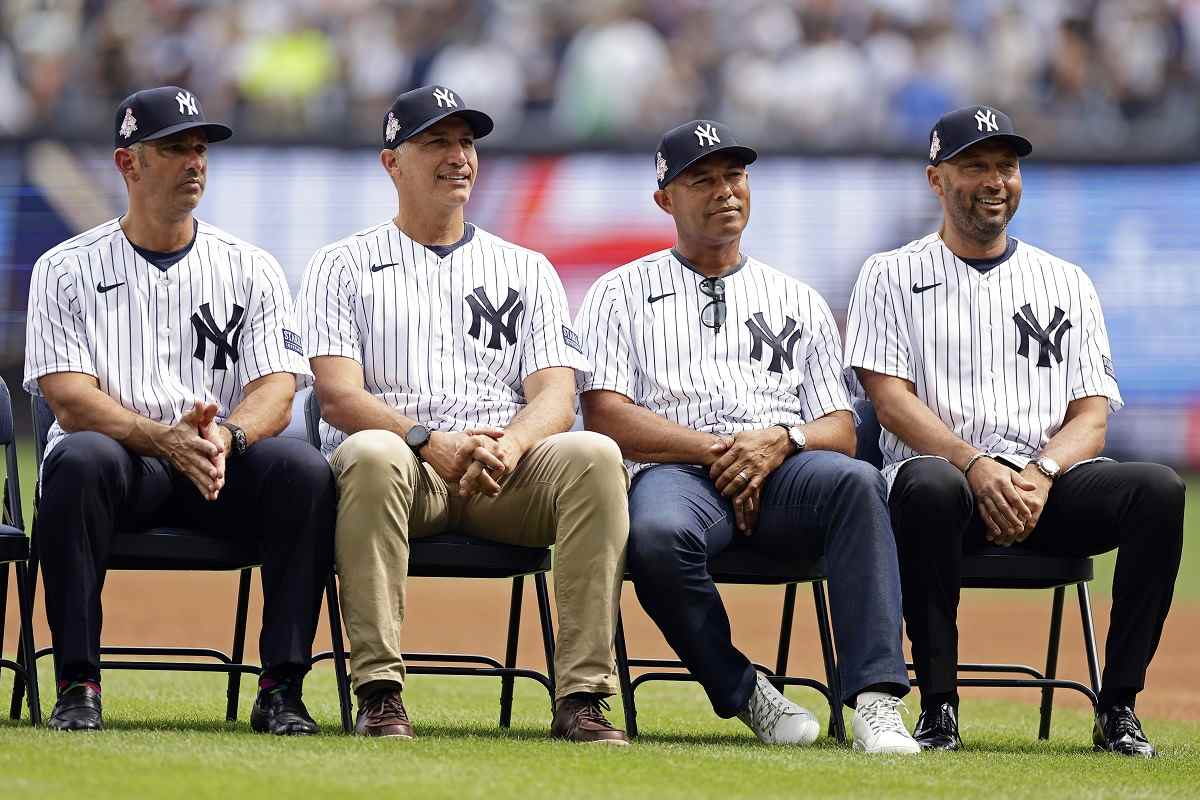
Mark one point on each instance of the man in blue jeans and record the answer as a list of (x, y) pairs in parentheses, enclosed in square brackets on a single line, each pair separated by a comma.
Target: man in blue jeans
[(720, 379)]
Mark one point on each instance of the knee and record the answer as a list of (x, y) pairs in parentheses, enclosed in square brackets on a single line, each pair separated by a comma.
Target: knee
[(931, 488), (299, 470), (374, 457), (661, 542), (859, 480), (590, 456), (81, 459), (1160, 491)]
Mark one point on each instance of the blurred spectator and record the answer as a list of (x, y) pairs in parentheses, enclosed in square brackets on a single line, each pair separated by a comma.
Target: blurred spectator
[(1096, 77)]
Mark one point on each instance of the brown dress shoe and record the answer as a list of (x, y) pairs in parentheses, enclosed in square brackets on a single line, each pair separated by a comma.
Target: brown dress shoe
[(580, 718), (383, 714)]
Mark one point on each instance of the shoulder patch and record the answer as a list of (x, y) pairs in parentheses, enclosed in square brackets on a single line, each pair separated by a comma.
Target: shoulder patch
[(291, 341), (571, 339), (1108, 367)]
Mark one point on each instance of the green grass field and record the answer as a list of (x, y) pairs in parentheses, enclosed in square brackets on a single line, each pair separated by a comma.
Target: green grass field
[(165, 739)]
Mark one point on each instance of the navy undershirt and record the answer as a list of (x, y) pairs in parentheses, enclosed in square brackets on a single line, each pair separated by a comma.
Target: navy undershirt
[(985, 264), (443, 250), (741, 263), (165, 261)]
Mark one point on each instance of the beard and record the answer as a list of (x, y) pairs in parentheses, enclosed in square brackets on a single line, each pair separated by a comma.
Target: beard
[(971, 219)]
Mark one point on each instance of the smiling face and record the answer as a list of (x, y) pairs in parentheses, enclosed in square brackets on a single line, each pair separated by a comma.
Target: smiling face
[(979, 189), (168, 174), (438, 165), (710, 200)]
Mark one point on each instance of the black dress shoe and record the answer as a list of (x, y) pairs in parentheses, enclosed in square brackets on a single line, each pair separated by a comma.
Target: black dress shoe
[(280, 710), (1118, 730), (937, 728), (77, 709)]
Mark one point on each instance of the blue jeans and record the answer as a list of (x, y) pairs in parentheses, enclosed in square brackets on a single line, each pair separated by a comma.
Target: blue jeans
[(815, 503)]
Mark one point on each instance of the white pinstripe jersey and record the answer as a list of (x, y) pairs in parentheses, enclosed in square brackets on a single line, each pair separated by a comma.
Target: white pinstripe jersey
[(445, 341), (157, 340), (997, 355), (776, 359)]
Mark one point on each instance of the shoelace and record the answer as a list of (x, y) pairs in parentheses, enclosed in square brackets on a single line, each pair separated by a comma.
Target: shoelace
[(766, 708), (594, 710), (1125, 723), (390, 705), (881, 715)]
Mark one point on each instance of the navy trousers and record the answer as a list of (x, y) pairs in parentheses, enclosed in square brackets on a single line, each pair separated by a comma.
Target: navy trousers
[(815, 503), (280, 492)]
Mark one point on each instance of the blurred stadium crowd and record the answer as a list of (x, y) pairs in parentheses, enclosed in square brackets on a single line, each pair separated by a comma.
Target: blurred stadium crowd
[(1103, 78)]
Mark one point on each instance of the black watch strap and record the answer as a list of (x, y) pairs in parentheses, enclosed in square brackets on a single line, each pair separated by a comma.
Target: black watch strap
[(238, 441)]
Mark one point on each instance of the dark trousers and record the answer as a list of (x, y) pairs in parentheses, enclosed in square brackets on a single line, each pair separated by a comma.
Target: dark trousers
[(815, 503), (1136, 508), (280, 492)]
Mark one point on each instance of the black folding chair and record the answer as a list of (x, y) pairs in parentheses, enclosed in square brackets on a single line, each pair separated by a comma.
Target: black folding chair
[(1014, 567), (744, 566), (14, 548), (177, 549), (454, 555)]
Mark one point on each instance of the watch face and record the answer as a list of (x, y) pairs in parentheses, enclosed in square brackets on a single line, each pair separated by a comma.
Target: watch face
[(798, 438), (1048, 466), (417, 436)]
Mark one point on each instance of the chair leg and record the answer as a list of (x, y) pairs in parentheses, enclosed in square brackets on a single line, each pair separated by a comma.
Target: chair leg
[(785, 631), (510, 651), (239, 646), (4, 614), (339, 652), (18, 692), (25, 603), (1056, 611), (837, 725), (627, 700), (547, 623), (1089, 636)]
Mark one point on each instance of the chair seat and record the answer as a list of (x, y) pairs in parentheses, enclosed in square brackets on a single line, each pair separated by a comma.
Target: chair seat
[(181, 548), (742, 565), (1016, 568), (456, 555), (14, 544)]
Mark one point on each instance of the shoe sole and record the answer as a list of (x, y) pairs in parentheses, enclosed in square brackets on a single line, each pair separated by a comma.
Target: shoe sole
[(886, 751)]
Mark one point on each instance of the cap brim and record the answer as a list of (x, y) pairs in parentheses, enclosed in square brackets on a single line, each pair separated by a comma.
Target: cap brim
[(1020, 145), (213, 131), (481, 124), (747, 155)]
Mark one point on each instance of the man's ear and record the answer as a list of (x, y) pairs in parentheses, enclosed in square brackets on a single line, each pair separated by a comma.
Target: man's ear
[(936, 180), (126, 161), (663, 200), (390, 162)]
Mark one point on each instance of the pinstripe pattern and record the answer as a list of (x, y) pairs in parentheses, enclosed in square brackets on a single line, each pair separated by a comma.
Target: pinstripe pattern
[(138, 339), (661, 356), (410, 325), (958, 343)]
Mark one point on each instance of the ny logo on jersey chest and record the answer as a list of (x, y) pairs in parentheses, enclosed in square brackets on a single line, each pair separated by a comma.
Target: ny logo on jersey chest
[(207, 331), (1049, 339), (483, 311), (782, 344)]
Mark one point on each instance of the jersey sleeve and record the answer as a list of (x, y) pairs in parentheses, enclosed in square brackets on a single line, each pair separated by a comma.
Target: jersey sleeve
[(270, 342), (328, 294), (602, 320), (822, 388), (1092, 372), (876, 332), (55, 334), (550, 340)]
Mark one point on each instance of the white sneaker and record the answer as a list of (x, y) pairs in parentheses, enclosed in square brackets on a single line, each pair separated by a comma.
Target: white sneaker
[(878, 727), (777, 720)]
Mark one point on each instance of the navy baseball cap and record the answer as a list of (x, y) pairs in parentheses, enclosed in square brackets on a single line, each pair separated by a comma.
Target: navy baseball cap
[(685, 145), (157, 113), (413, 112), (963, 127)]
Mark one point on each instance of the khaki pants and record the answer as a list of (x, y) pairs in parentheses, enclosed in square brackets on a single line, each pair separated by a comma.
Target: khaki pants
[(569, 491)]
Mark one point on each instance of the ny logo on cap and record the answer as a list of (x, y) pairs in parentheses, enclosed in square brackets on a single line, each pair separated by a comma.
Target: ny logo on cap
[(393, 125), (660, 166), (985, 117), (187, 103), (706, 135), (128, 125), (445, 98)]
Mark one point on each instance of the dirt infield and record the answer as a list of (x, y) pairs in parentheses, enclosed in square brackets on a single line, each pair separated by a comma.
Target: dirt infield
[(197, 609)]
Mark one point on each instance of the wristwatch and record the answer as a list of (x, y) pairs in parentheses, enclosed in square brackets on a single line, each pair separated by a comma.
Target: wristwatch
[(238, 435), (416, 438), (1048, 467), (796, 436)]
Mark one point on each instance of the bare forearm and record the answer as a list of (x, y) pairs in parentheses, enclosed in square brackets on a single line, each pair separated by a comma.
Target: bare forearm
[(89, 409), (648, 438), (545, 415), (1080, 438), (919, 428), (266, 411), (352, 409), (833, 431)]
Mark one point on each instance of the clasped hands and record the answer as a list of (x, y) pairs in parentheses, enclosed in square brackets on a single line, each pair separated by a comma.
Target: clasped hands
[(477, 459), (1010, 503), (196, 446), (740, 465)]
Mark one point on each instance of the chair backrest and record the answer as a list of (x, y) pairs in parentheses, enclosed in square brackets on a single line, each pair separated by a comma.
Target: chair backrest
[(43, 418), (868, 432), (12, 478), (312, 419)]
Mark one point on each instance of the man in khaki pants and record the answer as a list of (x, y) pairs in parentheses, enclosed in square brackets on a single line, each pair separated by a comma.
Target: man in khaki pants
[(446, 367)]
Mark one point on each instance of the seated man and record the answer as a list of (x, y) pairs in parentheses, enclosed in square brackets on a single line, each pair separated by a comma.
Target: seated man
[(167, 351), (720, 379), (989, 367), (445, 365)]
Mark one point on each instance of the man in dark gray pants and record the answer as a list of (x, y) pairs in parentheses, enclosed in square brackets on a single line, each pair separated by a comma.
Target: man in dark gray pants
[(720, 378)]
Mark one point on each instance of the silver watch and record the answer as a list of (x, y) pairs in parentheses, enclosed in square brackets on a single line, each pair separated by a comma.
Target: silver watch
[(1048, 467), (797, 438)]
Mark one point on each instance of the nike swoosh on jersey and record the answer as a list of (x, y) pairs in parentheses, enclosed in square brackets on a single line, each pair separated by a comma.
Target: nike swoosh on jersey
[(918, 289), (654, 298), (377, 267), (101, 288)]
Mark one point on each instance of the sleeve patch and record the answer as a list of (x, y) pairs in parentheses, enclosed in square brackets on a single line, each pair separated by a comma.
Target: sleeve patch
[(1108, 367), (571, 339), (291, 341)]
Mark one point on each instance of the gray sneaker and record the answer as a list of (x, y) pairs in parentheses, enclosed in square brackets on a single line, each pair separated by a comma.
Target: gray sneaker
[(777, 720)]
